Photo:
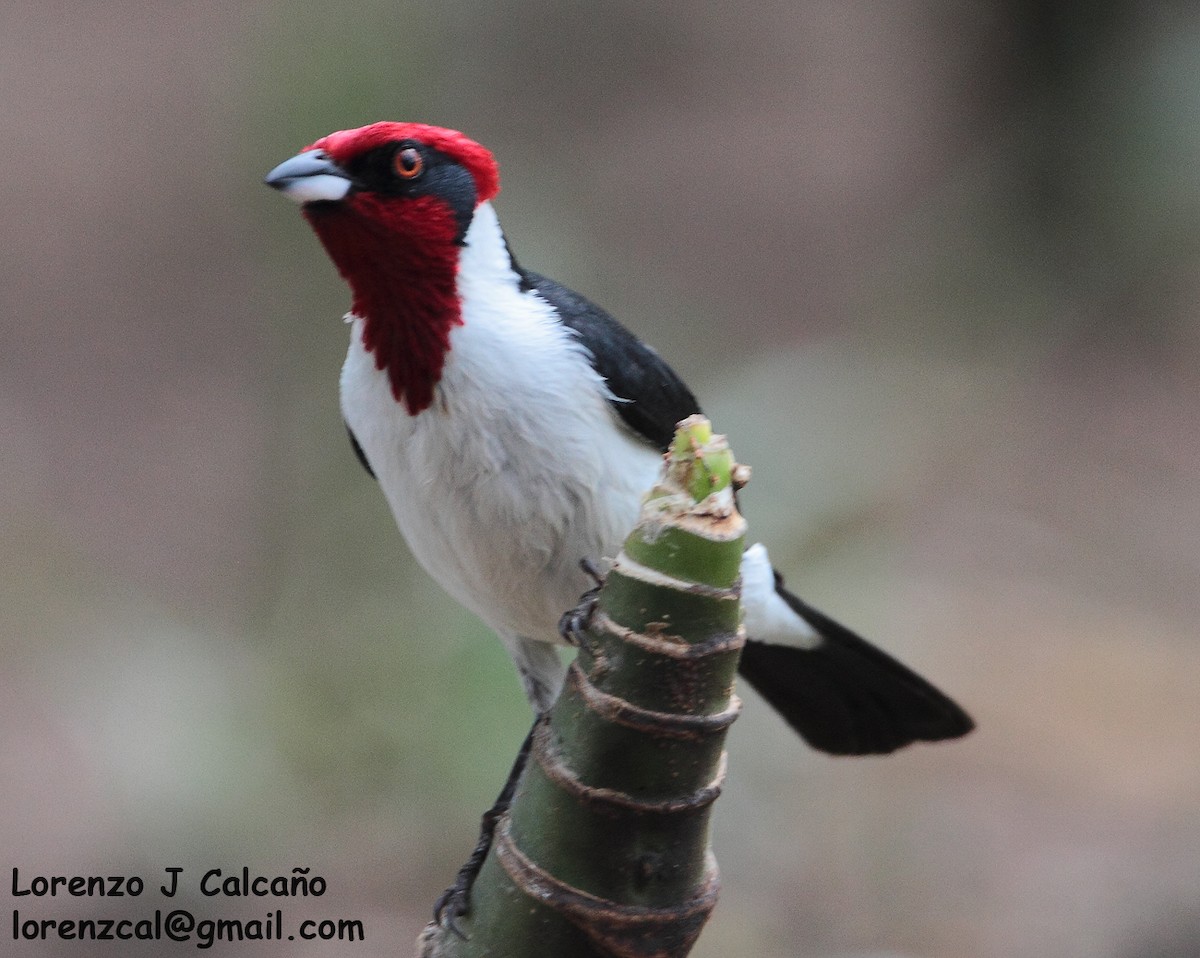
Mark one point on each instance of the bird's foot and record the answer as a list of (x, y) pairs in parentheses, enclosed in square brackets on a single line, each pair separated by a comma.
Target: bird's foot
[(573, 626), (455, 901), (590, 570), (451, 905)]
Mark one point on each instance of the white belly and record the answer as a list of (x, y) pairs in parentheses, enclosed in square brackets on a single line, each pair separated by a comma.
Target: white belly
[(503, 485)]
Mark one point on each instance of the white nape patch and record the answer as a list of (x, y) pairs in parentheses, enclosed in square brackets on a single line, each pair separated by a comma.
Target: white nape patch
[(311, 189), (765, 615)]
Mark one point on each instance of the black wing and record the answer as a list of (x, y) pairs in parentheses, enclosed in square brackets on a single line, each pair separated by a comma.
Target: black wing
[(651, 397), (358, 451)]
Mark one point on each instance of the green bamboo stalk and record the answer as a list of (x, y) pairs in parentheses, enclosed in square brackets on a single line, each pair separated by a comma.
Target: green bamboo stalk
[(605, 851)]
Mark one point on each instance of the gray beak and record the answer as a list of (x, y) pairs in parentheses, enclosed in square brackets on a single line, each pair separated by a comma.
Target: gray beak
[(309, 177)]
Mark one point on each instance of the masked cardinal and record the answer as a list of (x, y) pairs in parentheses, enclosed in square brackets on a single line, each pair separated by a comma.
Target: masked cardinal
[(514, 426)]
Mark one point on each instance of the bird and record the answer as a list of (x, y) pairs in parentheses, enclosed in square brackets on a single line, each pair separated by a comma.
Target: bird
[(513, 427)]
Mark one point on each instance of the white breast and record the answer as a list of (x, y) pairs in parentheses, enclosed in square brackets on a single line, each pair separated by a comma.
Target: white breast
[(519, 469)]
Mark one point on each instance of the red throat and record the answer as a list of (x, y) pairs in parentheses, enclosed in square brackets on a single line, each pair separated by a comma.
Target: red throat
[(401, 262), (401, 258)]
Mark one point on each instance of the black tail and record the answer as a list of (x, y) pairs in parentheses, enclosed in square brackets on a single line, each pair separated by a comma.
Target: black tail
[(847, 697)]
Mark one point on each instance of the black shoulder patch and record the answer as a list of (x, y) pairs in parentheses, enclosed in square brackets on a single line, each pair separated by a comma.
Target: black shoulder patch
[(651, 397), (362, 456)]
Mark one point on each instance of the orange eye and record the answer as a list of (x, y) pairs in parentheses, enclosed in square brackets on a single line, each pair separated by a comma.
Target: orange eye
[(408, 163)]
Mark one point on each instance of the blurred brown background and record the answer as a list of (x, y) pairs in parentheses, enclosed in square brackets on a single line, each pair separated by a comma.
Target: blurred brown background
[(935, 268)]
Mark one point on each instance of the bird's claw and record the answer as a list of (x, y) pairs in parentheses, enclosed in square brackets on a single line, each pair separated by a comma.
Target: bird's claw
[(590, 570), (454, 903), (573, 626)]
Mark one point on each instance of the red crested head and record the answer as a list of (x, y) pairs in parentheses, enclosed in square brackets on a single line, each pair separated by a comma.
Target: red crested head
[(392, 204), (345, 146)]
